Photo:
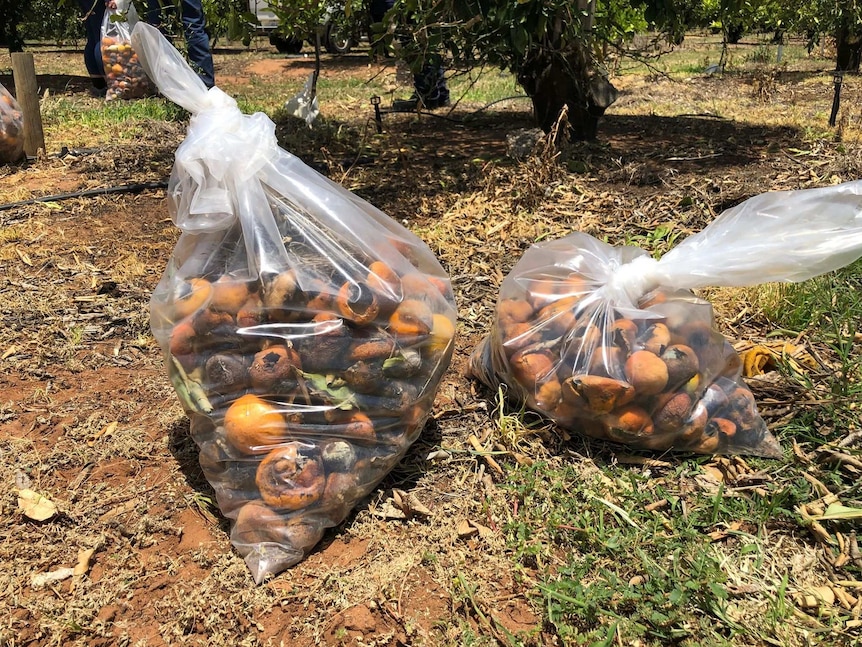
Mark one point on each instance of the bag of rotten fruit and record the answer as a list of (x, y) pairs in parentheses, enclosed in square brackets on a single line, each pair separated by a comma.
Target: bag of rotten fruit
[(11, 128), (124, 74), (609, 342), (304, 330)]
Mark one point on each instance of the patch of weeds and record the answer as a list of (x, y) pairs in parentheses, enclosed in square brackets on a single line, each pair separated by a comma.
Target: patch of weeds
[(761, 56), (658, 240), (606, 568), (828, 309)]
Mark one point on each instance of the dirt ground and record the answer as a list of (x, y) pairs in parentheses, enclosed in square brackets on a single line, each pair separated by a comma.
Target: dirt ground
[(89, 418)]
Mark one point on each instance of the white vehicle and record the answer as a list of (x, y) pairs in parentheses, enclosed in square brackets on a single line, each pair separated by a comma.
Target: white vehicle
[(335, 33)]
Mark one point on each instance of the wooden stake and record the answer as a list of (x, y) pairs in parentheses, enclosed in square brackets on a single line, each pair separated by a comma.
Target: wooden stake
[(27, 95)]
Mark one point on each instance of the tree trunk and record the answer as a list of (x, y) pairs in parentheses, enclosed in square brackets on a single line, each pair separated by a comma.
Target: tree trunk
[(554, 80), (849, 48)]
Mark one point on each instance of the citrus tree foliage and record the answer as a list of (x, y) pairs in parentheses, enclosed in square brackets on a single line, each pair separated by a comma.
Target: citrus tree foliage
[(224, 18), (556, 48), (841, 19), (38, 20), (302, 19)]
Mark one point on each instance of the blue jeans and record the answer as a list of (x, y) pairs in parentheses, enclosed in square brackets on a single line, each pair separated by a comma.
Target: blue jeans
[(430, 81), (93, 30), (194, 29)]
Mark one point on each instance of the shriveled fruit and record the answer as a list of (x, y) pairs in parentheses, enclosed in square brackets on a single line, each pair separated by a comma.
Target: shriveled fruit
[(602, 394), (275, 368), (412, 318), (280, 289), (624, 333), (516, 336), (548, 395), (682, 364), (673, 412), (191, 297), (557, 317), (229, 294), (357, 303), (291, 477), (530, 368), (513, 311), (721, 426), (655, 338)]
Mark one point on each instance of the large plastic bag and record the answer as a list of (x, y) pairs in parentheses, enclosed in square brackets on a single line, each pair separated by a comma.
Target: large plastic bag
[(11, 128), (304, 330), (613, 343), (124, 75)]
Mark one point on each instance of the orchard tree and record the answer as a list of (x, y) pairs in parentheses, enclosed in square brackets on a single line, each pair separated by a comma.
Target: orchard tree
[(841, 19), (10, 32), (556, 48), (302, 19)]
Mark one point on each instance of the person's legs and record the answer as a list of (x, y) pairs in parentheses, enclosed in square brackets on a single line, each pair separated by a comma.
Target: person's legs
[(197, 41), (430, 83), (93, 12), (153, 15)]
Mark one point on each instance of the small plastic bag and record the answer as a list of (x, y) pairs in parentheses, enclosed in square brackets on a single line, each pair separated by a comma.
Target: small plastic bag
[(11, 128), (304, 331), (124, 75), (612, 343), (301, 105)]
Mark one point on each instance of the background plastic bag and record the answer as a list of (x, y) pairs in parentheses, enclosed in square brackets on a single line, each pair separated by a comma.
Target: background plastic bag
[(612, 343), (305, 331), (301, 105), (11, 128), (125, 77)]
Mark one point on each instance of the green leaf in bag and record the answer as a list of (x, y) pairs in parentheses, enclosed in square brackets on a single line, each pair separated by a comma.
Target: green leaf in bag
[(334, 388)]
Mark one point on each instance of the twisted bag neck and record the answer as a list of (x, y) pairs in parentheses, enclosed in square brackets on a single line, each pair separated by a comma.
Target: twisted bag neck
[(628, 282), (223, 148)]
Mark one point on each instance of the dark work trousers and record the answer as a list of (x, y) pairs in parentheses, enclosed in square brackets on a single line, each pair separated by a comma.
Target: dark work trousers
[(93, 11), (430, 81), (194, 29)]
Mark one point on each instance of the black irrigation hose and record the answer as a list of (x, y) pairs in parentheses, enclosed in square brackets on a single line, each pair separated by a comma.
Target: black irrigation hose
[(123, 188)]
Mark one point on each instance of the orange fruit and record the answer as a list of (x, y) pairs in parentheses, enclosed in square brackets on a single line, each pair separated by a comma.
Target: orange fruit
[(411, 318), (191, 297), (442, 332), (253, 425), (229, 294), (646, 372)]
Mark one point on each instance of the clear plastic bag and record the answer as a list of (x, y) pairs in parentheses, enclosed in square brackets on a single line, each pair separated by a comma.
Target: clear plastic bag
[(11, 128), (124, 74), (612, 343), (304, 330)]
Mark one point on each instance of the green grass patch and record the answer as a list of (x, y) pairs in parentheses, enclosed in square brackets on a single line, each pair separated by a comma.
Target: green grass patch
[(100, 121), (610, 571)]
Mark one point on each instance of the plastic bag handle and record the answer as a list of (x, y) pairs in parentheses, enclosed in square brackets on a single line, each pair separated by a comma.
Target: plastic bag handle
[(779, 236), (169, 70)]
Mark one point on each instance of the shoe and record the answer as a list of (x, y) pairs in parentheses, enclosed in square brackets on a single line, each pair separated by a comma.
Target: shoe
[(406, 105), (416, 102), (440, 102)]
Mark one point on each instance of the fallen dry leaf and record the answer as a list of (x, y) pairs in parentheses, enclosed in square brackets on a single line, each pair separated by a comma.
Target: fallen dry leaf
[(43, 579), (815, 597), (35, 506)]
